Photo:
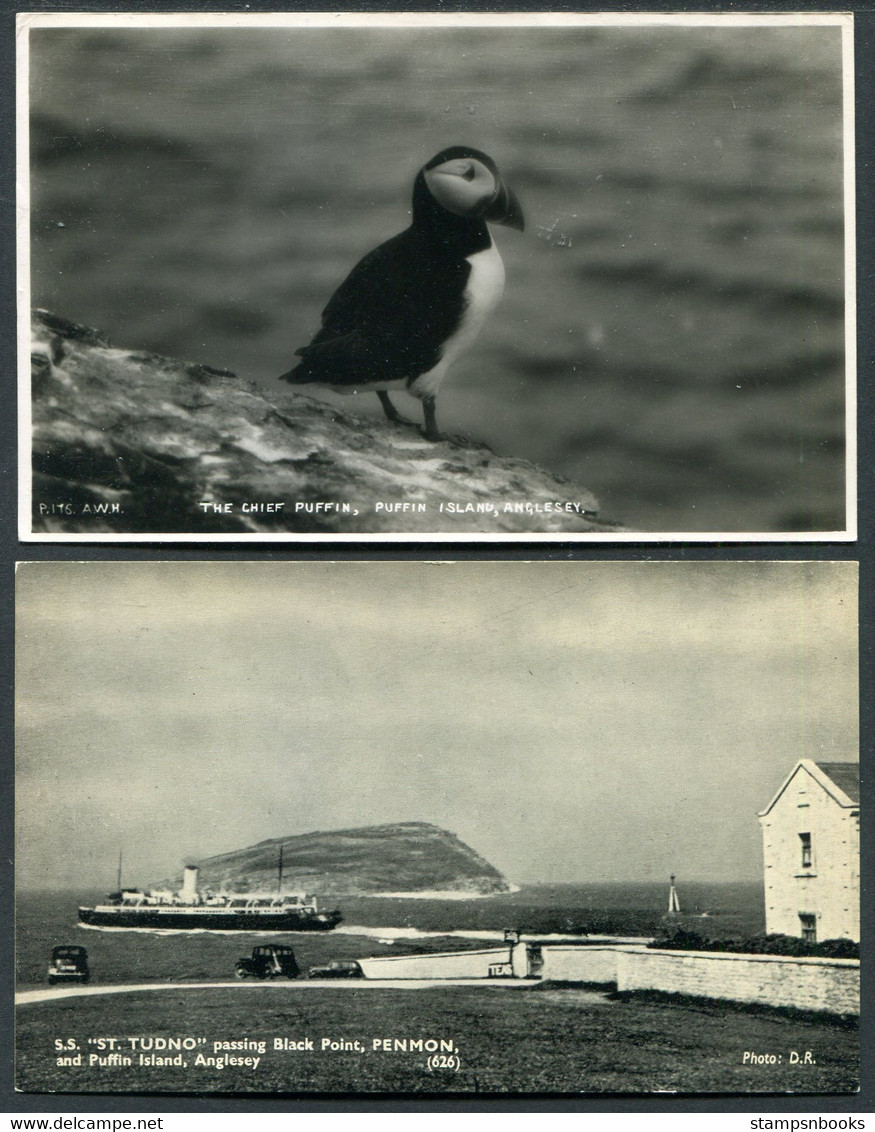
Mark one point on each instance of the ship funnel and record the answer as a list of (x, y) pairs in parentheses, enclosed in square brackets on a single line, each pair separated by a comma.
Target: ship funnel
[(189, 883)]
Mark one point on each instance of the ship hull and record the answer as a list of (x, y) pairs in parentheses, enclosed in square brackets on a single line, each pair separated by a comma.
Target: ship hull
[(200, 919)]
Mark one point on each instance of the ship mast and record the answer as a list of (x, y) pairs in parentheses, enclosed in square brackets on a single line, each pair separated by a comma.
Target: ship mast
[(279, 879), (119, 877)]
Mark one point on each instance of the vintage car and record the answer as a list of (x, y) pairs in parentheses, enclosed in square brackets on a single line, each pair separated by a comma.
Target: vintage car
[(69, 964), (270, 961), (337, 969)]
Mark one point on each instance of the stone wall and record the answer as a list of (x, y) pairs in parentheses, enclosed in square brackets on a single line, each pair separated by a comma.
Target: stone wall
[(828, 985), (831, 985), (580, 964)]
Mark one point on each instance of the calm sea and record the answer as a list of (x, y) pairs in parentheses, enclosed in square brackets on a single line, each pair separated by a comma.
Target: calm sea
[(44, 919)]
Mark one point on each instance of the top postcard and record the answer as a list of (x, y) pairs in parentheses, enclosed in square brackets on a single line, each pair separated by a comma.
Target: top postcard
[(419, 277)]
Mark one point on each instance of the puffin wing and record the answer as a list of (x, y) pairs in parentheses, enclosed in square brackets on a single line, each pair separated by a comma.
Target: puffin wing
[(389, 318)]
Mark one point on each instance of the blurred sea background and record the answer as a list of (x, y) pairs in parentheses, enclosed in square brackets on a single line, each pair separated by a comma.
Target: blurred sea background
[(672, 331)]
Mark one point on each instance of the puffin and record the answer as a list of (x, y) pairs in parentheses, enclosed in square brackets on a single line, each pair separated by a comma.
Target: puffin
[(412, 306)]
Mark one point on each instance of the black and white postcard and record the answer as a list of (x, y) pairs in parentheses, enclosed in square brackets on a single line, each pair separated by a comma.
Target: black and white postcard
[(339, 277), (421, 828)]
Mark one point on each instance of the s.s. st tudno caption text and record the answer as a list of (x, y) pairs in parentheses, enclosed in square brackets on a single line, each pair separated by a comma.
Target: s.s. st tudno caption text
[(133, 1052)]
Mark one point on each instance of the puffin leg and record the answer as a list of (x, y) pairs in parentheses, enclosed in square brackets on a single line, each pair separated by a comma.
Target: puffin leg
[(390, 410), (431, 429)]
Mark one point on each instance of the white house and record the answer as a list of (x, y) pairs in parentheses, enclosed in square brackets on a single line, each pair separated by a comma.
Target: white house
[(811, 852)]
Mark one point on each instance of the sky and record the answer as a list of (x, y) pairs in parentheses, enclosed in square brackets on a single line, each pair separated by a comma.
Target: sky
[(571, 721)]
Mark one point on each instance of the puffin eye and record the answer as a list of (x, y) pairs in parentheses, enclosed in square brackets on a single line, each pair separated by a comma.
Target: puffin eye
[(469, 172)]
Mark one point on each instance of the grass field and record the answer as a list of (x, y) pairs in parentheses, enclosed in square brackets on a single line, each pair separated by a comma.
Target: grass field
[(547, 1040)]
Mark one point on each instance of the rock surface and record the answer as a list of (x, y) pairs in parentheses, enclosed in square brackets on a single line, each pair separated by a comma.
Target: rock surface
[(404, 857), (127, 442)]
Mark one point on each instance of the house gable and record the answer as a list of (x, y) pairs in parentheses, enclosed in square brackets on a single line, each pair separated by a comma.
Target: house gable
[(838, 780)]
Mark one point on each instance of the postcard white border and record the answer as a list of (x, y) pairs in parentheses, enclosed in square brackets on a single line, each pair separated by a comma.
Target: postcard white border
[(25, 21)]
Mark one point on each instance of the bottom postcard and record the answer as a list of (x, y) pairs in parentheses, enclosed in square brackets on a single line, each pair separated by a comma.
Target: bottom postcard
[(396, 828)]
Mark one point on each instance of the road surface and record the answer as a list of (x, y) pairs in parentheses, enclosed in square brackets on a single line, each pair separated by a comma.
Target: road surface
[(46, 994)]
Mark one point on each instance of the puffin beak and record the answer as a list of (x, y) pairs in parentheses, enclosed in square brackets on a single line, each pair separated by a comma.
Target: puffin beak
[(506, 209)]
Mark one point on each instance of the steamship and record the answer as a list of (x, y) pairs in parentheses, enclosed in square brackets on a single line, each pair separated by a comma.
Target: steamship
[(210, 911)]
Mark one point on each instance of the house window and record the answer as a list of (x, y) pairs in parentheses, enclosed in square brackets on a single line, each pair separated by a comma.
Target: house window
[(808, 922), (805, 841)]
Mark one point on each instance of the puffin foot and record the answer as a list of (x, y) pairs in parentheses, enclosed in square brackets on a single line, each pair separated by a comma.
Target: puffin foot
[(431, 429), (390, 410)]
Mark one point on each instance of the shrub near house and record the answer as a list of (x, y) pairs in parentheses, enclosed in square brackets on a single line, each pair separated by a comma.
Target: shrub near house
[(774, 944)]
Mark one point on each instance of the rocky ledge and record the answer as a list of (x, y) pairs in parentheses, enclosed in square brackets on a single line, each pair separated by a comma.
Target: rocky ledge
[(129, 442)]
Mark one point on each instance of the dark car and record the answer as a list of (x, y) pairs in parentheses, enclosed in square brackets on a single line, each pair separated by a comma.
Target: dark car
[(337, 969), (268, 962), (69, 964)]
